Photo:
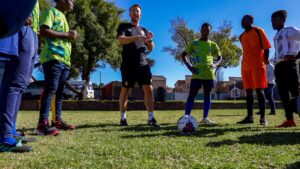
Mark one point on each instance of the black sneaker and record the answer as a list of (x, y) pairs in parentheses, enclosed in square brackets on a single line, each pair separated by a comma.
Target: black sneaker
[(4, 147), (263, 122), (153, 123), (247, 120), (272, 113), (123, 122), (258, 113)]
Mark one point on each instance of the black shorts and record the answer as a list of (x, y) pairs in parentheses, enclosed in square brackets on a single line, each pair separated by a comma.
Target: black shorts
[(141, 75)]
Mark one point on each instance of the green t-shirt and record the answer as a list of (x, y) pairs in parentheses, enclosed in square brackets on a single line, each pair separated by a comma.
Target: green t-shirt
[(201, 54), (56, 49), (36, 17)]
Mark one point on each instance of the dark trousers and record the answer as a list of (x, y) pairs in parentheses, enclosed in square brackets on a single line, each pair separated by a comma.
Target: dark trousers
[(287, 83), (56, 74), (17, 72), (269, 96)]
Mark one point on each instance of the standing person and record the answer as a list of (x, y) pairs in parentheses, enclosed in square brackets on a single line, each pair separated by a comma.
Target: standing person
[(21, 50), (136, 42), (56, 60), (202, 52), (255, 46), (286, 43), (269, 90)]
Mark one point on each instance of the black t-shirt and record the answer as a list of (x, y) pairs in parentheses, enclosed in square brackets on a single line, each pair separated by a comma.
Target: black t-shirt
[(133, 54)]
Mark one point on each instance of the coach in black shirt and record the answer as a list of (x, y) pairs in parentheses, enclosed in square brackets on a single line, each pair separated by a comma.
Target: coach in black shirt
[(137, 43)]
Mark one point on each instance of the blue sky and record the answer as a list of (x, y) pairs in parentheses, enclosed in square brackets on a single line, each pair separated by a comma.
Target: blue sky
[(156, 16)]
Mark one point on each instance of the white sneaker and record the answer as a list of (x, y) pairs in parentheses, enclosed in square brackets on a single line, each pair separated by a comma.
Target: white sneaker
[(207, 121)]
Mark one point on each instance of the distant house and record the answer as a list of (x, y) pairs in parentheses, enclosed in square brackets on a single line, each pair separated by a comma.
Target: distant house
[(236, 88)]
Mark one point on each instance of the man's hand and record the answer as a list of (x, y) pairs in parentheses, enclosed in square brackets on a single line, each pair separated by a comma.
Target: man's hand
[(29, 21), (213, 66), (149, 37), (72, 35)]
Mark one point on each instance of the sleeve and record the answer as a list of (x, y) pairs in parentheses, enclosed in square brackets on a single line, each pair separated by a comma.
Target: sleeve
[(47, 18), (216, 51), (146, 31), (121, 30), (265, 41), (294, 33)]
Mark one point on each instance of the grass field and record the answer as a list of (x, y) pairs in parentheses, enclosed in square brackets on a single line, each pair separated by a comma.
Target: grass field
[(100, 143)]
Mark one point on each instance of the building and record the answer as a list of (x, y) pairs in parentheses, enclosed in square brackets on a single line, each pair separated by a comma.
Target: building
[(112, 90)]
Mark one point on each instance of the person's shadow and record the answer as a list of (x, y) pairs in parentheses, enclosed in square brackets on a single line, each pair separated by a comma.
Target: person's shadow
[(268, 139)]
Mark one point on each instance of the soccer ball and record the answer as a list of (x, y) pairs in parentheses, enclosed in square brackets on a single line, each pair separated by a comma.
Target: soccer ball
[(187, 125)]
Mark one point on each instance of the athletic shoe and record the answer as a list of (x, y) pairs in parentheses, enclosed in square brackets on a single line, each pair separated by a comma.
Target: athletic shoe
[(272, 113), (263, 122), (123, 122), (207, 121), (25, 140), (258, 113), (17, 147), (153, 123), (4, 147), (62, 125), (44, 129), (287, 123), (246, 120)]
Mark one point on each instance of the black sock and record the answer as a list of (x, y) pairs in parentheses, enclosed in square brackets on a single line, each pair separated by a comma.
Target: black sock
[(249, 100)]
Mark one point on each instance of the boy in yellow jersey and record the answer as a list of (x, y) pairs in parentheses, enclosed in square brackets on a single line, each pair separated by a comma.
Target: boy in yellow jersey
[(56, 61)]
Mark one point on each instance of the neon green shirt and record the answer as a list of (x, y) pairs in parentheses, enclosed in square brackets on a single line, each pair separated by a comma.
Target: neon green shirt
[(36, 17), (201, 55), (56, 49)]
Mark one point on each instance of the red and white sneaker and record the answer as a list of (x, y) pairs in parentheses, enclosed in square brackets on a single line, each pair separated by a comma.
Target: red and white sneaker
[(287, 123), (62, 125), (44, 129)]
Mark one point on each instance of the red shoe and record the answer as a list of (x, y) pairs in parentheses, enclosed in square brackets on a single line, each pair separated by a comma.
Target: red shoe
[(288, 123), (43, 128), (62, 125)]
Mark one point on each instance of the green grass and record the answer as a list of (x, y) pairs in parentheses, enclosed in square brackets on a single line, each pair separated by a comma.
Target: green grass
[(100, 143)]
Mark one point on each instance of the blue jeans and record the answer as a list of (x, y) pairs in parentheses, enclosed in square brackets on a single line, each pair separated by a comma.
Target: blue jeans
[(269, 95), (56, 74), (17, 73)]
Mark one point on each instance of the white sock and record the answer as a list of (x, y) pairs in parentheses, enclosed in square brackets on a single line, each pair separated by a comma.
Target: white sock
[(150, 115), (123, 115)]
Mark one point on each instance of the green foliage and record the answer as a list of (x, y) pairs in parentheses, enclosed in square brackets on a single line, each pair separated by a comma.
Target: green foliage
[(98, 142), (96, 22), (230, 51), (182, 36)]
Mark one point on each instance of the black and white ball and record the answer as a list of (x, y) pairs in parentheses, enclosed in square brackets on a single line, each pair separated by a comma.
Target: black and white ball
[(187, 125)]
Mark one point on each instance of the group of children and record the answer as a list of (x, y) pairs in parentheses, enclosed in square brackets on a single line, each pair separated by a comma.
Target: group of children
[(19, 51), (255, 68)]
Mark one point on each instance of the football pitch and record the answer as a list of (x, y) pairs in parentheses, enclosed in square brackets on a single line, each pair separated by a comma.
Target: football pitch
[(98, 142)]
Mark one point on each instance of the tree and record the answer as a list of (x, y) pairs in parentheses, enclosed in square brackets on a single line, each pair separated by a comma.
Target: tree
[(182, 36), (96, 22)]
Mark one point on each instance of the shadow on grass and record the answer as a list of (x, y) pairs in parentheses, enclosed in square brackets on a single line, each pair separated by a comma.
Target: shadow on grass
[(145, 127), (268, 139), (295, 165), (203, 131), (100, 125), (228, 115)]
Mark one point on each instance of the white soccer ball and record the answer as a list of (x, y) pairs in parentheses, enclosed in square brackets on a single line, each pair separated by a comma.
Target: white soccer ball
[(187, 125)]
